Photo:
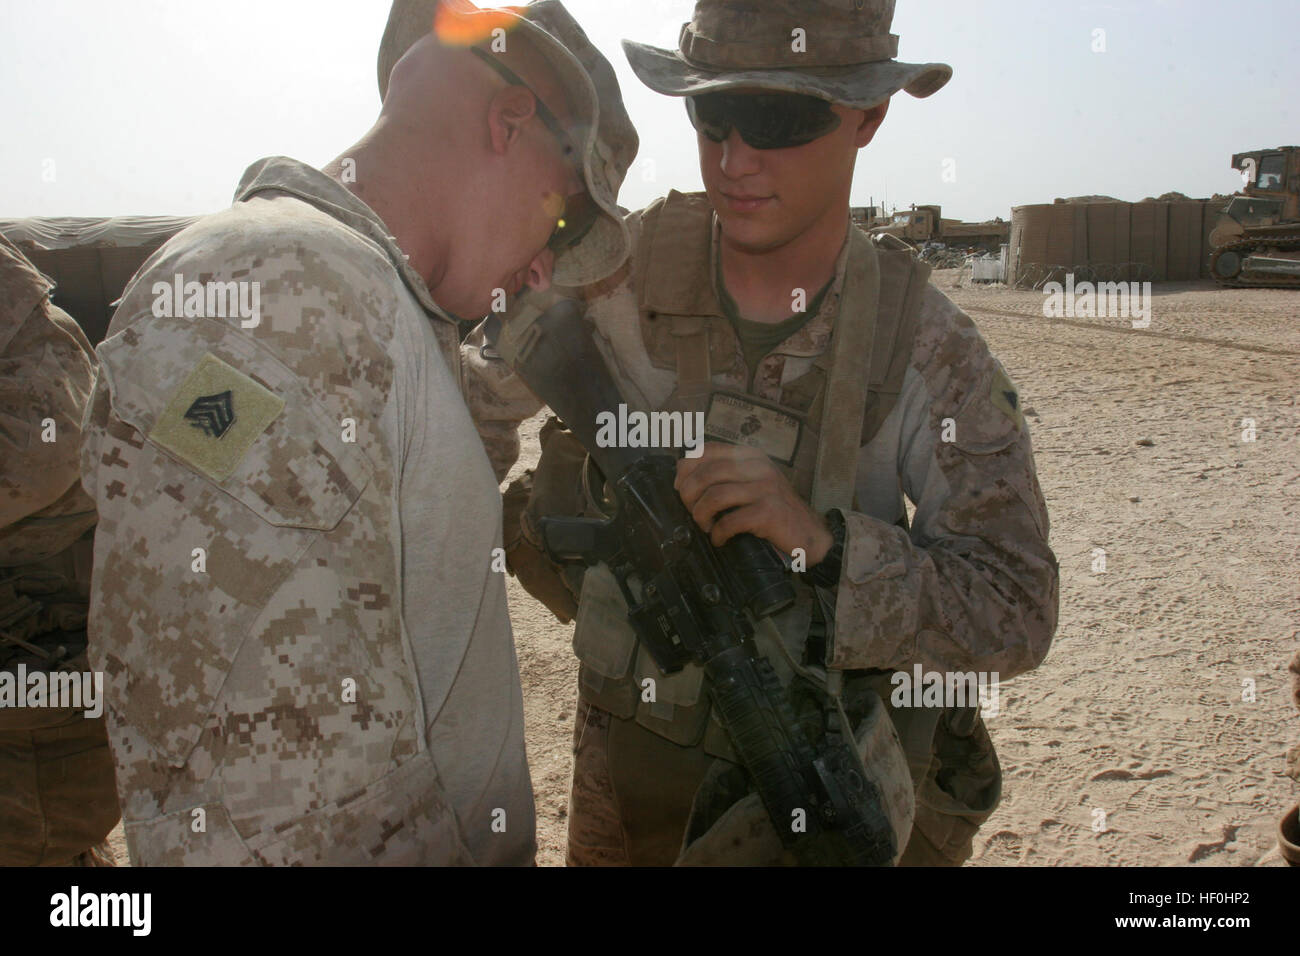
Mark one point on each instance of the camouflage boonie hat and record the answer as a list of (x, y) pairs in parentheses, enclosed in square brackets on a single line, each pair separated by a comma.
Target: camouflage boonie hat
[(604, 133), (837, 50)]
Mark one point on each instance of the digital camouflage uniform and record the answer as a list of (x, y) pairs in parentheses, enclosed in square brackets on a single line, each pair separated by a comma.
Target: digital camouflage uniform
[(303, 666), (57, 801), (971, 586), (1289, 827)]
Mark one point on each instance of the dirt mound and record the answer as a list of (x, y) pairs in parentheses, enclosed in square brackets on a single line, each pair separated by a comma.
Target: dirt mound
[(1081, 200)]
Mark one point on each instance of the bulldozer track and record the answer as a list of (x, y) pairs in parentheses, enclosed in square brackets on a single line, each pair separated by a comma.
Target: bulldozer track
[(1174, 336), (1246, 246)]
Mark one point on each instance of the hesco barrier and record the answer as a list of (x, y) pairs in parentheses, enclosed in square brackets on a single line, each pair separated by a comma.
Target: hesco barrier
[(1111, 241), (90, 260)]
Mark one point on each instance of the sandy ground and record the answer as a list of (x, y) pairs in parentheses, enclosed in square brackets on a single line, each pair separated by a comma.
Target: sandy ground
[(1142, 710)]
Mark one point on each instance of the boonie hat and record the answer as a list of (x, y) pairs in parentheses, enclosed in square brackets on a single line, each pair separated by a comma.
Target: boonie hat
[(604, 134), (836, 50)]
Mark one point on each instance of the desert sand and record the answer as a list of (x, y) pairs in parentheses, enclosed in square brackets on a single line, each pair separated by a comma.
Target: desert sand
[(1164, 702)]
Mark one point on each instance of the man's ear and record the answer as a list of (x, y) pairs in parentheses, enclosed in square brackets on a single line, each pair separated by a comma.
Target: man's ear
[(510, 109), (871, 120)]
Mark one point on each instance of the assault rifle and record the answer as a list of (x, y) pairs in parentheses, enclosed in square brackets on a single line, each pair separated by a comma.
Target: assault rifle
[(691, 602)]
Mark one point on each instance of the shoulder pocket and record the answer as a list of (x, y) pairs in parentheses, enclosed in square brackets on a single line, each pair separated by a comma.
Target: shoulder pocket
[(992, 419), (197, 536), (222, 406)]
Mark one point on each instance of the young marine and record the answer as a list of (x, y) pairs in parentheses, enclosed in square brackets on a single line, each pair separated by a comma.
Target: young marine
[(857, 384)]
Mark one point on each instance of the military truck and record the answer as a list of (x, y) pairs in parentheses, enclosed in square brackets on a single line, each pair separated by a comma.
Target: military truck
[(922, 224), (1256, 241), (867, 216)]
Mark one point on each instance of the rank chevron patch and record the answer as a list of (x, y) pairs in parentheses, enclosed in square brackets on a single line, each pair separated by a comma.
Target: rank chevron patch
[(213, 414), (214, 417), (1006, 397)]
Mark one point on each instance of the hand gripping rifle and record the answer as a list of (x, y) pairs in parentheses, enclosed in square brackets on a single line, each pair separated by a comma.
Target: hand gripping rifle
[(691, 602)]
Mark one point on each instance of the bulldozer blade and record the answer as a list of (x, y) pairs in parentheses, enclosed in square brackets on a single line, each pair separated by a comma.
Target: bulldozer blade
[(1264, 265)]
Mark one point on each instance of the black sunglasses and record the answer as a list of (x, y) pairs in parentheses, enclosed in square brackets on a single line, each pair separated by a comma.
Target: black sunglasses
[(580, 211), (764, 120)]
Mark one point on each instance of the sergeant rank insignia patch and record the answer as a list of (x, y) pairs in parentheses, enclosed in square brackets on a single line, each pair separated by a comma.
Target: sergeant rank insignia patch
[(1006, 397), (214, 416)]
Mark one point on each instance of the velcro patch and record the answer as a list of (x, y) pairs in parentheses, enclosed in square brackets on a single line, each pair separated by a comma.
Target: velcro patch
[(214, 417), (742, 421), (1006, 397)]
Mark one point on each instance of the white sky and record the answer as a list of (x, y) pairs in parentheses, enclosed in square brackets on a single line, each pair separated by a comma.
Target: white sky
[(157, 106)]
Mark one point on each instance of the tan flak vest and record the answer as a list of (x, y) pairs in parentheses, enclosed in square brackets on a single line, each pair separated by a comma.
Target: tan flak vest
[(860, 375)]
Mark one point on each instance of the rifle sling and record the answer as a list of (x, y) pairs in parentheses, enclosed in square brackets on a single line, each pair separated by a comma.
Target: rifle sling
[(845, 398)]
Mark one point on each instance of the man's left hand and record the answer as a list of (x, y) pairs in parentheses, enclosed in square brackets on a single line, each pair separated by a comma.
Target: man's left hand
[(761, 500)]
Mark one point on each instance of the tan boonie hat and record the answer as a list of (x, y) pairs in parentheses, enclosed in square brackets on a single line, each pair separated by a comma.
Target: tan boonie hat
[(837, 50), (603, 134)]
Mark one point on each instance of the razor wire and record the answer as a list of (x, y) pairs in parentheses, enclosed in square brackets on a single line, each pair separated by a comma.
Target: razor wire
[(1034, 275)]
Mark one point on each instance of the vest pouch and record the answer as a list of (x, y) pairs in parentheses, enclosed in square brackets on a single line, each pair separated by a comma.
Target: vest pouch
[(728, 825), (885, 764), (553, 488), (915, 726), (781, 637), (716, 743), (680, 709), (605, 644)]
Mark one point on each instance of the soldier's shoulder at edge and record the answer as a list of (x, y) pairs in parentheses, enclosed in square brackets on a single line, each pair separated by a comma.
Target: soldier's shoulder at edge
[(22, 287), (289, 249), (955, 361), (945, 333)]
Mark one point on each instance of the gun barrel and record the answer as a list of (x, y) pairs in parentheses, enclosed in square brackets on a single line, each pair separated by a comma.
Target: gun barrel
[(562, 366)]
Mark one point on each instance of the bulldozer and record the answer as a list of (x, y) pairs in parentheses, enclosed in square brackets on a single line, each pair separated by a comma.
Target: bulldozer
[(1256, 242)]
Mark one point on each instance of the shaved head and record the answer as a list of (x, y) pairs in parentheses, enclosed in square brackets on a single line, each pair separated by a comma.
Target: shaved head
[(466, 171), (424, 76)]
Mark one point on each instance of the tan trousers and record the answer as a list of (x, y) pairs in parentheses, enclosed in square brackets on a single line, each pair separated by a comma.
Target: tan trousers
[(58, 801), (626, 810)]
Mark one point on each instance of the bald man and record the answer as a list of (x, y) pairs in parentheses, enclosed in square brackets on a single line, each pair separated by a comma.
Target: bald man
[(298, 603)]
